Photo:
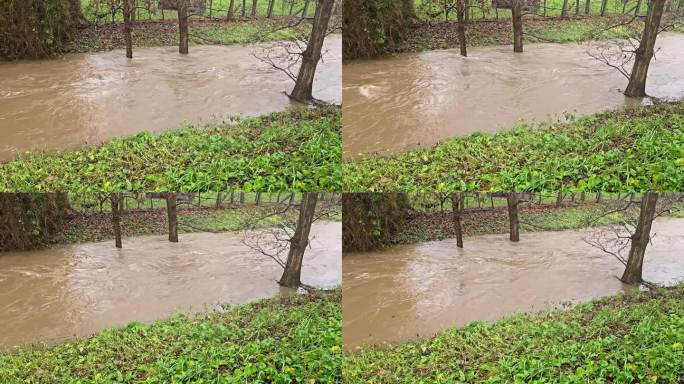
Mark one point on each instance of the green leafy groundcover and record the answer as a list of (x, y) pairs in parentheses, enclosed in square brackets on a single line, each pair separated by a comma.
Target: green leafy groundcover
[(635, 338), (295, 339), (629, 149), (294, 150)]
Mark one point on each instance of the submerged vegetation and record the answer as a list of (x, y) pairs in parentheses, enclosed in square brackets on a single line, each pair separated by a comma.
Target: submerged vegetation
[(628, 149), (294, 150), (630, 338), (280, 340)]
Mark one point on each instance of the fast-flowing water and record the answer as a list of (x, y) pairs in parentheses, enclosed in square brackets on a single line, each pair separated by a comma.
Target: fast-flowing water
[(88, 98), (419, 99), (56, 293), (417, 290)]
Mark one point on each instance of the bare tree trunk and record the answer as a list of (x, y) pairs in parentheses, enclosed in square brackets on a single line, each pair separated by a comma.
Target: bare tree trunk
[(638, 8), (598, 196), (116, 218), (303, 87), (271, 4), (172, 212), (293, 267), (604, 5), (460, 15), (456, 202), (640, 239), (254, 8), (244, 8), (559, 199), (231, 10), (242, 197), (306, 8), (576, 7), (219, 200), (127, 28), (564, 10), (512, 200), (516, 13), (644, 54), (587, 6), (183, 27)]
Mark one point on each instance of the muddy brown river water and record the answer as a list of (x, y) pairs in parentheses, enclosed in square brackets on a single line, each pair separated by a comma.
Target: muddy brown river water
[(417, 290), (419, 99), (54, 294), (88, 98)]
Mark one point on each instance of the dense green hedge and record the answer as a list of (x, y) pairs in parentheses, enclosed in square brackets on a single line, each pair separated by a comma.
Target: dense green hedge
[(29, 220), (35, 28), (371, 28), (371, 219)]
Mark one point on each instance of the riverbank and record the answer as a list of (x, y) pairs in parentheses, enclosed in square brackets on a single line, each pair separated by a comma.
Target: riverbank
[(423, 36), (634, 337), (421, 227), (627, 149), (155, 33), (95, 227), (299, 149), (280, 340)]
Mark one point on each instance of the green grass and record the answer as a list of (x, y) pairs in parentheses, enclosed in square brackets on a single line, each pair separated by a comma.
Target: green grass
[(294, 150), (635, 338), (623, 150), (280, 340)]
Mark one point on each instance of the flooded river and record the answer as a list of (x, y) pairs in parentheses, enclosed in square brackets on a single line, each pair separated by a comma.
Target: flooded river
[(87, 98), (418, 99), (417, 290), (53, 294)]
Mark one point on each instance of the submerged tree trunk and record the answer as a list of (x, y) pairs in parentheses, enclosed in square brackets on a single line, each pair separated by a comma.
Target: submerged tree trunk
[(512, 200), (127, 28), (640, 239), (460, 16), (303, 87), (172, 212), (516, 13), (645, 51), (183, 27), (116, 218), (293, 268), (456, 208)]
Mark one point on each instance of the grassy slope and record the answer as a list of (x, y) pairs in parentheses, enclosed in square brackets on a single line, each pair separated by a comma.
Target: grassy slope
[(109, 36), (622, 150), (281, 340), (442, 35), (294, 150), (439, 226), (98, 227), (636, 338)]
